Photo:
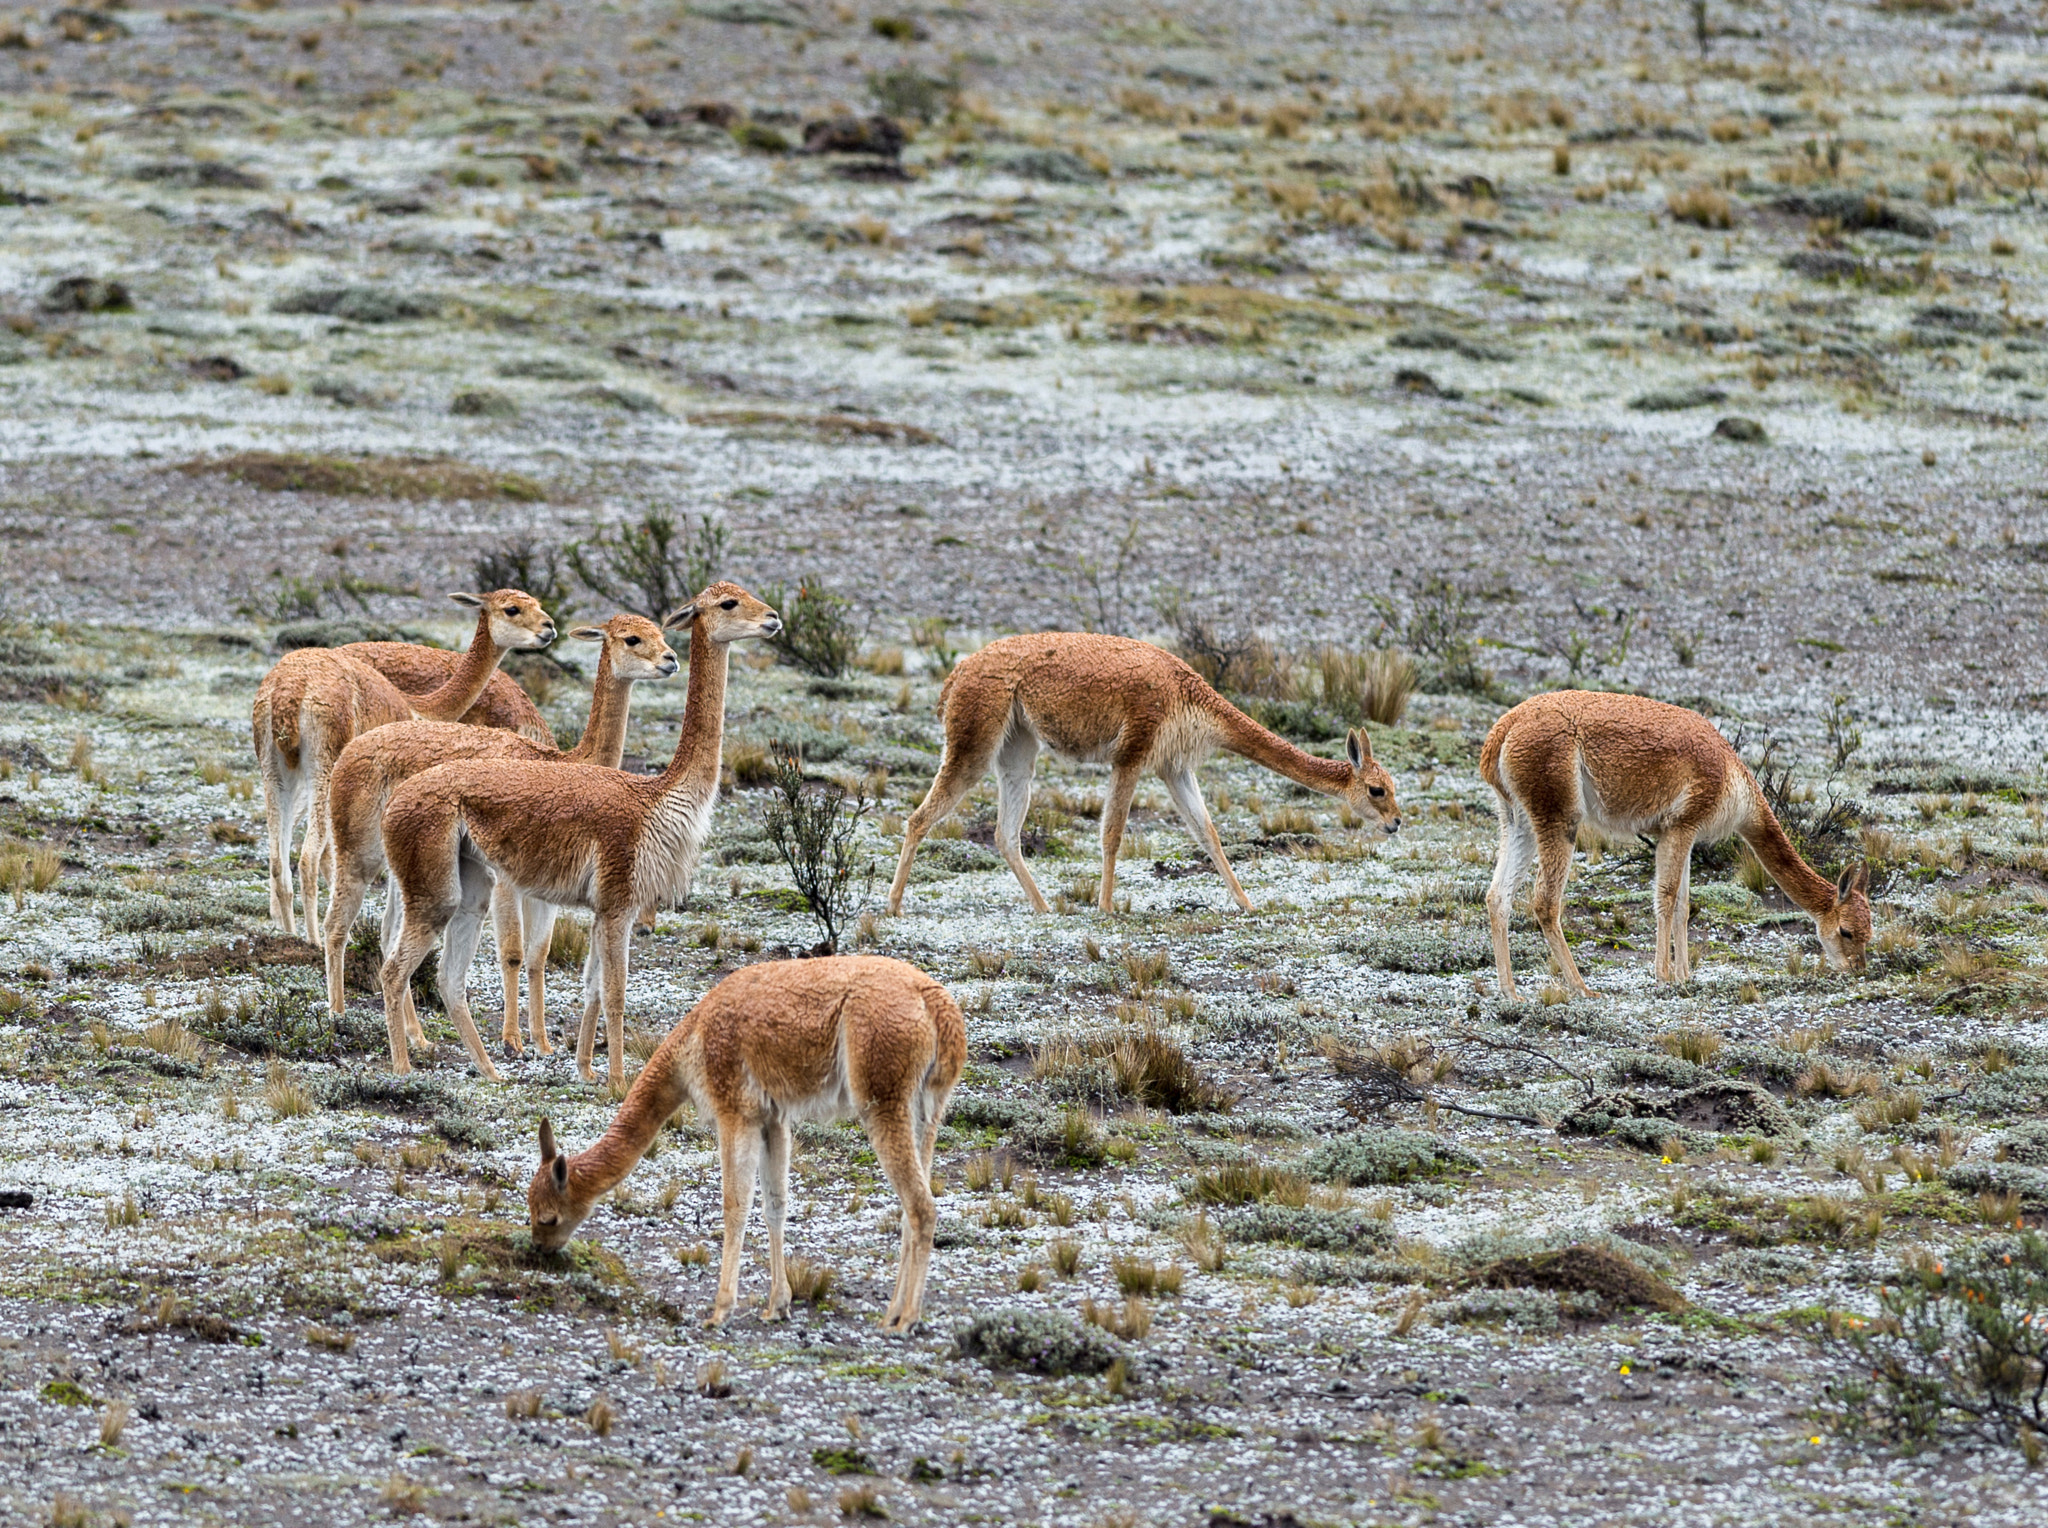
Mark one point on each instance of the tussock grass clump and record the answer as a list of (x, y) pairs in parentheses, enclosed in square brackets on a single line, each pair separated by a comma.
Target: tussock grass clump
[(1702, 206), (1698, 1046), (384, 477)]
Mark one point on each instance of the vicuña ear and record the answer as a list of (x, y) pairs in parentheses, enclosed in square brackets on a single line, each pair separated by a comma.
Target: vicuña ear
[(681, 616), (474, 601), (1854, 879), (588, 633), (1358, 748), (547, 1142)]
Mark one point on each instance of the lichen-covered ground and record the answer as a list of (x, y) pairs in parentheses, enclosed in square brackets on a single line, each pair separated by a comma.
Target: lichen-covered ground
[(1353, 325)]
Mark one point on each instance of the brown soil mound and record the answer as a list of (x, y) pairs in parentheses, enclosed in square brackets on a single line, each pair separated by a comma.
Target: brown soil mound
[(384, 477), (1615, 1279)]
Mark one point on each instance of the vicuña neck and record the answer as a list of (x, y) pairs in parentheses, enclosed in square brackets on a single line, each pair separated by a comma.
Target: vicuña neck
[(604, 733), (472, 672), (1811, 891), (1241, 735), (696, 755), (656, 1093)]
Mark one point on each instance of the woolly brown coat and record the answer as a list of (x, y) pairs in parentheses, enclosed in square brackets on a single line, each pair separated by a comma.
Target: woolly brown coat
[(418, 670), (315, 700), (1630, 765), (372, 766), (1124, 703), (573, 835), (849, 1036)]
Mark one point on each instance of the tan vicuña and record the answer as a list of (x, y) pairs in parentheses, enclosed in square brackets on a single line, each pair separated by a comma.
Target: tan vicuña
[(315, 700), (1630, 765), (375, 764), (1113, 700), (572, 835), (845, 1036)]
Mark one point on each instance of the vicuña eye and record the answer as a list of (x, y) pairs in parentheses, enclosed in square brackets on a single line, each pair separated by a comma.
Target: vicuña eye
[(728, 604), (1375, 790), (632, 641)]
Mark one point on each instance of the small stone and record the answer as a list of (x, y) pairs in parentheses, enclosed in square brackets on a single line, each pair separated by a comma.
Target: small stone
[(1747, 431), (87, 294), (483, 403)]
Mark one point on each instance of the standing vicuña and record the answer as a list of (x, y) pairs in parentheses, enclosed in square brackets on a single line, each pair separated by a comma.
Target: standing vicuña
[(839, 1037), (314, 700), (573, 835), (1630, 766), (1136, 707), (375, 764)]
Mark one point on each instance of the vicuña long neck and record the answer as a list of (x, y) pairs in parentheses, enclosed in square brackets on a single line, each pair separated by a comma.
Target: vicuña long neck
[(1811, 891), (604, 734), (472, 672), (1241, 735), (656, 1093), (696, 756)]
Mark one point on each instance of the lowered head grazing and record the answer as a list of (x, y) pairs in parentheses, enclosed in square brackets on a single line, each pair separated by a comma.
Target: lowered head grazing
[(518, 623), (638, 649), (727, 613), (1845, 928), (1370, 791), (555, 1214)]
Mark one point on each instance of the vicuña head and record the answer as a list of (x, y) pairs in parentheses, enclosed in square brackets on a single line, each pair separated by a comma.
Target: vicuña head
[(1845, 928), (726, 613), (517, 622), (634, 645), (1370, 790), (554, 1211)]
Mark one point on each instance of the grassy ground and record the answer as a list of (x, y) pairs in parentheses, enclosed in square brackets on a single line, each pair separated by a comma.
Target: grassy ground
[(1340, 326)]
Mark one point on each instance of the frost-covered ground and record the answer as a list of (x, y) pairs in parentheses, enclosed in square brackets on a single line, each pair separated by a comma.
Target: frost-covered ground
[(1340, 325)]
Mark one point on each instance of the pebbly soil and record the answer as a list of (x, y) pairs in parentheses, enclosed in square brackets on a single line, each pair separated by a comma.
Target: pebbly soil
[(1341, 325)]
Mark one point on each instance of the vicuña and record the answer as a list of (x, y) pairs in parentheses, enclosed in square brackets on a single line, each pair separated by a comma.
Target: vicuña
[(572, 835), (315, 700), (375, 764), (1133, 706), (839, 1037), (1630, 765)]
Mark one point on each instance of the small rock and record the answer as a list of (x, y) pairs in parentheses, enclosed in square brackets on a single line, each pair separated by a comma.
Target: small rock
[(878, 135), (217, 368), (758, 135), (1668, 399), (483, 403), (1737, 428), (88, 294)]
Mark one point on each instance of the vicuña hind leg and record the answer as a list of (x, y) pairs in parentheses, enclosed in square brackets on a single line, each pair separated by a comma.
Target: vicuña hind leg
[(1014, 761), (956, 777), (458, 952), (537, 919), (1186, 792), (895, 1141), (739, 1156), (511, 941), (1116, 811), (344, 902), (1510, 864), (774, 1210), (1553, 867), (280, 809), (1674, 856)]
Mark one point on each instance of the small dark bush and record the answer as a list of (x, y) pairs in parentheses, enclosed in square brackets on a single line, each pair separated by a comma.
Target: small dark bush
[(813, 830), (1043, 1342), (818, 634), (1960, 1344), (654, 566), (294, 1022), (361, 304), (523, 562), (388, 1094), (908, 92)]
